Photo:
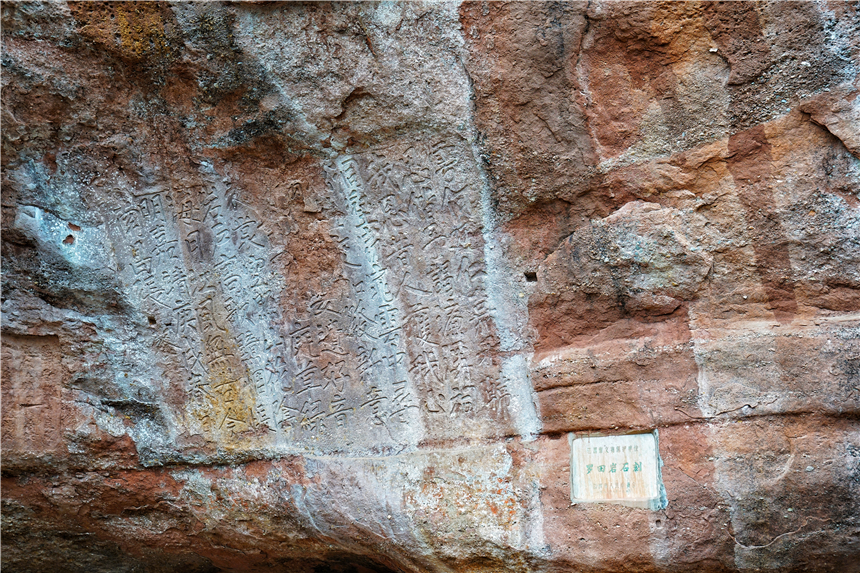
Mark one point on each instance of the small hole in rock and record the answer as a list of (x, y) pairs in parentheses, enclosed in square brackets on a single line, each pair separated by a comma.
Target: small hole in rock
[(74, 227), (151, 321), (68, 240), (531, 277)]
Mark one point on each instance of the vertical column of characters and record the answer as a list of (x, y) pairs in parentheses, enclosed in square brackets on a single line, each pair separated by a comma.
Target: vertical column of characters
[(387, 219), (378, 324), (240, 257), (228, 405)]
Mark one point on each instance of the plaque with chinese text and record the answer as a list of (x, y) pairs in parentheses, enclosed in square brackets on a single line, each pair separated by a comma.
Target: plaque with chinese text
[(616, 469)]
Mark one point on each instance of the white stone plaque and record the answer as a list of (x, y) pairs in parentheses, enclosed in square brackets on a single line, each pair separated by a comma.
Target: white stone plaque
[(616, 469)]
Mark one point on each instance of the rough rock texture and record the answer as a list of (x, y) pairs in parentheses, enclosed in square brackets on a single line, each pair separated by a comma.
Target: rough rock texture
[(325, 287)]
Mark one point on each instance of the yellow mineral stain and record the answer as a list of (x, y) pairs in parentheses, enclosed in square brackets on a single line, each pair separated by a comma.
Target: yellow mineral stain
[(224, 405), (141, 29), (135, 29)]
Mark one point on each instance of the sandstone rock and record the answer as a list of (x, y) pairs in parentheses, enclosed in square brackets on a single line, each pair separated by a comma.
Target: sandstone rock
[(329, 287), (838, 112)]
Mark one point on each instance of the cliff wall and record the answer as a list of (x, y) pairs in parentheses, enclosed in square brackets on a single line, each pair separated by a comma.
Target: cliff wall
[(359, 287)]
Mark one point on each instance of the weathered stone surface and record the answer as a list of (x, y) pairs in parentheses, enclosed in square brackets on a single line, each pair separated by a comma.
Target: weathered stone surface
[(328, 287)]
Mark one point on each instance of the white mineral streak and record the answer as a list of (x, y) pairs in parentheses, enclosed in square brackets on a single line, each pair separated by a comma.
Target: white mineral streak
[(509, 315), (515, 374), (384, 393)]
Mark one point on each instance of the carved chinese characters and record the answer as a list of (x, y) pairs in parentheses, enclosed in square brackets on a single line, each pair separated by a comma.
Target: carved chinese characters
[(194, 261), (616, 469), (388, 338), (412, 235), (34, 416)]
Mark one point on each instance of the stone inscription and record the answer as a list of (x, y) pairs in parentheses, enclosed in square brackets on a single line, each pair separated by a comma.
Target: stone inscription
[(350, 380), (403, 341), (194, 261), (616, 469), (411, 232), (33, 415)]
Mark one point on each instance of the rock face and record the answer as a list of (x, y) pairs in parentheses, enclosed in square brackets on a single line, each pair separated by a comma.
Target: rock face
[(336, 287)]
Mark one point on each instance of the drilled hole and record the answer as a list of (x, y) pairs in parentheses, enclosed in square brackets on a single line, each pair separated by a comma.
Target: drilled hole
[(151, 321), (74, 227), (69, 240), (531, 277)]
